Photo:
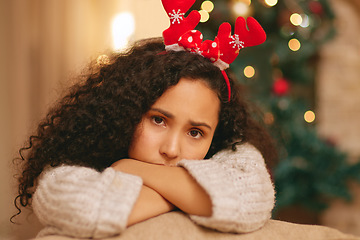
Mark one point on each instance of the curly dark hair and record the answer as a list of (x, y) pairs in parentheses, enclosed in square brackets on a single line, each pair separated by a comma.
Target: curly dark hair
[(93, 124)]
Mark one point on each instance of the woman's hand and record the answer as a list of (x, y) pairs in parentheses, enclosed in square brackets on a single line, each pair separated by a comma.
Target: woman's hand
[(173, 183)]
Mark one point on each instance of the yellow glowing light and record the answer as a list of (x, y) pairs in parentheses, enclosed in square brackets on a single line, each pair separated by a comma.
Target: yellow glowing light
[(204, 16), (241, 8), (296, 19), (309, 116), (249, 72), (294, 44), (271, 3), (123, 28), (207, 6)]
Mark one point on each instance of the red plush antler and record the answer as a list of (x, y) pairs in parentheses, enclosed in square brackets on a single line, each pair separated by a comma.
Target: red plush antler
[(179, 25), (223, 50), (230, 45)]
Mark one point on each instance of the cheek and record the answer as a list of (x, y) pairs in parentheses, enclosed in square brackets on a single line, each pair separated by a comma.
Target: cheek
[(206, 148), (198, 151), (136, 142), (143, 144)]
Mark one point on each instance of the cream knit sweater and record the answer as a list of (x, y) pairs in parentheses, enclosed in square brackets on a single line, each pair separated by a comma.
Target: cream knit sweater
[(81, 202)]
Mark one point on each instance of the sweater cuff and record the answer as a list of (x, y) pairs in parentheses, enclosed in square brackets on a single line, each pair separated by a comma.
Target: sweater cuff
[(210, 177), (116, 205), (241, 200), (81, 202)]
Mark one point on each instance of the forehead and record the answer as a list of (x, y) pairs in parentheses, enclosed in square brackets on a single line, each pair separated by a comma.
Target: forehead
[(191, 98)]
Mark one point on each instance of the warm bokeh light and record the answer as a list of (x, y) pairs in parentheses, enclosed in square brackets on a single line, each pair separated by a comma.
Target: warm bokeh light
[(296, 19), (207, 6), (271, 3), (204, 16), (294, 44), (309, 116), (269, 118), (241, 8), (249, 72), (123, 28), (305, 21)]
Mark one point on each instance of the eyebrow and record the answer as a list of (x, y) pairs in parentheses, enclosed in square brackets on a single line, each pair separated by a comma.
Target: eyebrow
[(200, 124), (170, 115), (166, 113)]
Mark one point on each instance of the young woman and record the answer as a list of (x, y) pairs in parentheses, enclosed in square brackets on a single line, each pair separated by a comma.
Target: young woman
[(150, 132)]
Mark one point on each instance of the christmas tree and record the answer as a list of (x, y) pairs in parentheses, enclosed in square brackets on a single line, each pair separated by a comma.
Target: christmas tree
[(280, 74)]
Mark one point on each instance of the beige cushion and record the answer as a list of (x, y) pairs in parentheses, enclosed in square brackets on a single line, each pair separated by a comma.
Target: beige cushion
[(176, 225)]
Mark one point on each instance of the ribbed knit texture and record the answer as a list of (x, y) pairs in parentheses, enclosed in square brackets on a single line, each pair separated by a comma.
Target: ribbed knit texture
[(81, 202), (239, 186)]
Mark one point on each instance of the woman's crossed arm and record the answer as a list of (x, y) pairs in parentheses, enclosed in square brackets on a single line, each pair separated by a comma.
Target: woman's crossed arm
[(164, 185)]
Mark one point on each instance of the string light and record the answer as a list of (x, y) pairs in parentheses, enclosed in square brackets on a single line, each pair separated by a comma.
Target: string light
[(271, 3), (204, 16), (242, 7), (269, 118), (283, 104), (207, 6), (305, 21), (296, 19), (249, 71), (309, 116), (294, 44)]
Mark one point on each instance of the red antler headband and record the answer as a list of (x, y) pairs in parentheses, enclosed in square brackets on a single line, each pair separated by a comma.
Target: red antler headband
[(180, 36)]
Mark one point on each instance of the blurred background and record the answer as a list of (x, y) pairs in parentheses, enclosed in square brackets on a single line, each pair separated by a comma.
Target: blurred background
[(305, 78)]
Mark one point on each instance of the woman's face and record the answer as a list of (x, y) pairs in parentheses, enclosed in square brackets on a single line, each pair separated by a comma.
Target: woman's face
[(180, 125)]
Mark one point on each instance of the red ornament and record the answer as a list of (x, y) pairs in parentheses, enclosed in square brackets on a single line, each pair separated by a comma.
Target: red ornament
[(316, 7), (281, 87)]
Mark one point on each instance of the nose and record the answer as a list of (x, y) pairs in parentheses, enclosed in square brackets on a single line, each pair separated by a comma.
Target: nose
[(170, 148)]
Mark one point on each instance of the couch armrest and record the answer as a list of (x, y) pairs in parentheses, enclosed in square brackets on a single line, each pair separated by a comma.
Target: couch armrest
[(176, 225)]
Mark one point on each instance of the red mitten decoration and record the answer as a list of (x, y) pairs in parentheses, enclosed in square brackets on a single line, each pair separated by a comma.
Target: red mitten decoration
[(230, 45), (211, 50), (191, 41), (223, 50), (177, 6), (252, 37), (179, 25)]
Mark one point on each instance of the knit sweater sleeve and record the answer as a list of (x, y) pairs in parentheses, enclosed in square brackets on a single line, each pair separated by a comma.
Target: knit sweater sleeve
[(239, 187), (84, 203)]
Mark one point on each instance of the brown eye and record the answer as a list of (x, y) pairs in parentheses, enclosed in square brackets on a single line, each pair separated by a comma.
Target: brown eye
[(158, 120), (195, 133)]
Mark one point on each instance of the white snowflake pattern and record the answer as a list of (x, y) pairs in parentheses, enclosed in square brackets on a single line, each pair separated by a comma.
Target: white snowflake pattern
[(236, 42), (176, 16)]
